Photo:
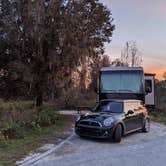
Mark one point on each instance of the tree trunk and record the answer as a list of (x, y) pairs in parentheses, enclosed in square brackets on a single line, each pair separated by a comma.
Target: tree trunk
[(41, 74), (39, 97), (39, 100)]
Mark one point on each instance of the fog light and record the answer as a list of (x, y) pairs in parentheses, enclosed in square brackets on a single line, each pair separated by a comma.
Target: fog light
[(106, 132)]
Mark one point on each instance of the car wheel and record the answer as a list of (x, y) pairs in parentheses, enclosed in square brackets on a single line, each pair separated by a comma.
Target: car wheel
[(118, 133), (146, 127)]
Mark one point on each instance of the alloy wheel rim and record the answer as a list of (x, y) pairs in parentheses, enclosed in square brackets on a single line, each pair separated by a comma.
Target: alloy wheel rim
[(147, 125)]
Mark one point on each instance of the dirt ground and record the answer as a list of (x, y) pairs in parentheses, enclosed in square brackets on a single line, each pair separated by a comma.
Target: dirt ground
[(137, 149)]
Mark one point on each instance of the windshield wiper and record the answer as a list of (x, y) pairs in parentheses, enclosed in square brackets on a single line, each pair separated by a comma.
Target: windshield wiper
[(125, 90), (108, 111), (109, 91)]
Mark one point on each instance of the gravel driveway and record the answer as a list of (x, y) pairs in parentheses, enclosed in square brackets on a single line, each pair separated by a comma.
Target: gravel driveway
[(138, 149)]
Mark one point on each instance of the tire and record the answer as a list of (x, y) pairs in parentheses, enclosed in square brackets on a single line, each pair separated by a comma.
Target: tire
[(118, 133), (146, 126)]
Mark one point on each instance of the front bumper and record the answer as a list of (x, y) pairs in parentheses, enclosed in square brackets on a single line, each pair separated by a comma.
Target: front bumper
[(94, 132)]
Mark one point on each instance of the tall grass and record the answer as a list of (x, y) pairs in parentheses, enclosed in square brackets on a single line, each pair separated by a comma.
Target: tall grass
[(158, 116), (16, 105)]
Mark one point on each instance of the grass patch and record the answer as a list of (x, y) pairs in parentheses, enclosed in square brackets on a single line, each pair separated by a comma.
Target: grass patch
[(14, 149), (90, 103), (16, 105), (79, 103), (158, 116)]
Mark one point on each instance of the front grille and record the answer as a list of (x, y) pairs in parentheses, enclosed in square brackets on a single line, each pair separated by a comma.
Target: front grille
[(89, 131), (90, 123)]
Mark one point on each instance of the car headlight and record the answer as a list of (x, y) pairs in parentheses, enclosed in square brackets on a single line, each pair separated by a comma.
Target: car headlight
[(108, 121), (78, 118)]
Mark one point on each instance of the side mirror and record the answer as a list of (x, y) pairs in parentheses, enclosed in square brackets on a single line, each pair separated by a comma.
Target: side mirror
[(130, 112), (148, 89)]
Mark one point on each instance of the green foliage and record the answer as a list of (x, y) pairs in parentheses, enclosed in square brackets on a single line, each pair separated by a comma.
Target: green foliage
[(34, 125), (21, 133), (18, 116), (158, 116), (13, 150), (100, 61), (161, 95), (16, 130), (2, 140), (16, 105), (39, 55), (44, 119), (11, 131)]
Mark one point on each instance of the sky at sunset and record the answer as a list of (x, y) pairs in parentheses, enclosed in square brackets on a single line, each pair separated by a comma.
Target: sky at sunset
[(144, 22)]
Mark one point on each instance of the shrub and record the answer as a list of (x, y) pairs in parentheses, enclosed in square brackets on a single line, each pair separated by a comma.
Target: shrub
[(12, 131), (16, 105), (17, 117), (2, 140), (44, 119), (72, 99)]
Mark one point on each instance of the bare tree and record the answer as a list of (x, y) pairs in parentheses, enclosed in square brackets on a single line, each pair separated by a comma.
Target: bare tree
[(100, 61), (118, 62), (130, 55)]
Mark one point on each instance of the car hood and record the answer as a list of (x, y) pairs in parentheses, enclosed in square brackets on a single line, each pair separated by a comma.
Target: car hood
[(99, 116)]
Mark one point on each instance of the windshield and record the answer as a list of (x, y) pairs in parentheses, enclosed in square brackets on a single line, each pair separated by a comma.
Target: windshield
[(122, 82), (110, 106)]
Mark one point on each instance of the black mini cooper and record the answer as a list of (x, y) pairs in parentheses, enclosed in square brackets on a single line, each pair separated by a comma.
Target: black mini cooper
[(113, 119)]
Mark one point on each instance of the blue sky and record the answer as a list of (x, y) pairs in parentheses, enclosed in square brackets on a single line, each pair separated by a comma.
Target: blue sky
[(143, 21)]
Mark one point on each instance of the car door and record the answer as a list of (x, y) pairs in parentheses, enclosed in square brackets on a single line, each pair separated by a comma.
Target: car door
[(130, 120), (139, 117)]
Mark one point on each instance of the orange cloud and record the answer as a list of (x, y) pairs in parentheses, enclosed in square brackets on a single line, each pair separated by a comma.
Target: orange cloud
[(159, 72)]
